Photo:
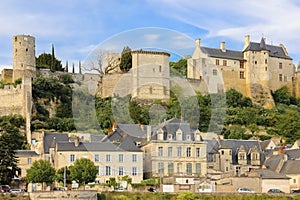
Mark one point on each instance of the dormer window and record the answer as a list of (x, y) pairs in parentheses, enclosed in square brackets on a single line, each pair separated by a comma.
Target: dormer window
[(241, 156), (170, 137), (160, 134), (179, 135)]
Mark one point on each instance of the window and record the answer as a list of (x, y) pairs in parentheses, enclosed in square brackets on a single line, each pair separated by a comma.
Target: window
[(121, 158), (134, 158), (160, 151), (29, 161), (188, 152), (224, 62), (161, 168), (133, 171), (96, 158), (72, 158), (285, 78), (266, 61), (179, 151), (170, 168), (107, 170), (198, 152), (280, 77), (222, 152), (198, 168), (170, 151), (179, 168), (189, 168), (242, 64), (159, 68), (294, 180), (266, 68), (254, 156), (215, 72), (217, 62), (280, 65), (226, 169), (241, 156), (255, 62), (242, 75), (121, 171), (107, 158)]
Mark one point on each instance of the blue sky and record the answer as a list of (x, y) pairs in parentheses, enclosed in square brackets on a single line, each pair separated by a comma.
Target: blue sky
[(77, 27)]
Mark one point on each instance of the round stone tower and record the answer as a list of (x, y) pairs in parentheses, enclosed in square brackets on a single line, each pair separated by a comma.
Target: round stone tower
[(23, 56)]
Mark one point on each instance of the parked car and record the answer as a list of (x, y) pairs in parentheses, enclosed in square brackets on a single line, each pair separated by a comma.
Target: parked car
[(245, 190), (120, 190), (152, 190), (59, 188), (275, 191), (4, 188), (295, 191), (16, 190)]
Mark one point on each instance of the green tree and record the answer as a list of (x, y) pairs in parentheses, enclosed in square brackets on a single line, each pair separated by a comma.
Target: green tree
[(288, 125), (40, 171), (179, 67), (8, 161), (236, 99), (59, 177), (126, 59), (48, 61), (282, 95), (83, 171)]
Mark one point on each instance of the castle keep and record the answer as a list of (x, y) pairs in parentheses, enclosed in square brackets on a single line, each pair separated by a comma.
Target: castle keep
[(255, 71)]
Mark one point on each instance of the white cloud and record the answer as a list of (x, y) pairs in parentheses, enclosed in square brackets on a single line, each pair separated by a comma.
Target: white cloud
[(276, 20)]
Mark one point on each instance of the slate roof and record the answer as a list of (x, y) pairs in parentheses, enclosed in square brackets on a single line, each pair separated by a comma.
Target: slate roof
[(291, 167), (95, 146), (212, 146), (231, 54), (122, 139), (26, 153), (274, 51), (292, 153), (273, 162), (171, 126), (49, 140), (264, 144), (269, 174), (236, 144), (133, 129)]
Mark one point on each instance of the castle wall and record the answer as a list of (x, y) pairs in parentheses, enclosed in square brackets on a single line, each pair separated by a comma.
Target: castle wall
[(7, 75), (11, 99)]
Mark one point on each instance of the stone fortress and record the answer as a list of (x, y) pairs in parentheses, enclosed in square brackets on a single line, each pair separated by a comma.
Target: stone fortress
[(255, 71)]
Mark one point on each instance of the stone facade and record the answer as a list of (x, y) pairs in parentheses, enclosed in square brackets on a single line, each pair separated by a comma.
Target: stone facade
[(172, 149), (23, 56), (255, 71)]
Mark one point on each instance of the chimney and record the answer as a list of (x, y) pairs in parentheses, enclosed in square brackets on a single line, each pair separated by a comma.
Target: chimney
[(223, 47), (247, 41), (198, 41), (148, 133), (76, 141)]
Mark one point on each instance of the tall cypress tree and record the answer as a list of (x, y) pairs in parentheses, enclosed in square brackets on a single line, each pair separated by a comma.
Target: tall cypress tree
[(52, 67)]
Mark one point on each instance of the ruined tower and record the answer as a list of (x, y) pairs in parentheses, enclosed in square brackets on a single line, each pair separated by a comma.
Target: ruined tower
[(23, 56)]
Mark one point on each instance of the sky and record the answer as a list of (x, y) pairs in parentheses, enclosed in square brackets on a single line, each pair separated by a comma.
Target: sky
[(77, 28)]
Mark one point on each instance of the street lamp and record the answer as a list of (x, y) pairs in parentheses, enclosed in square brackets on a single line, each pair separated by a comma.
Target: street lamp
[(65, 171)]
